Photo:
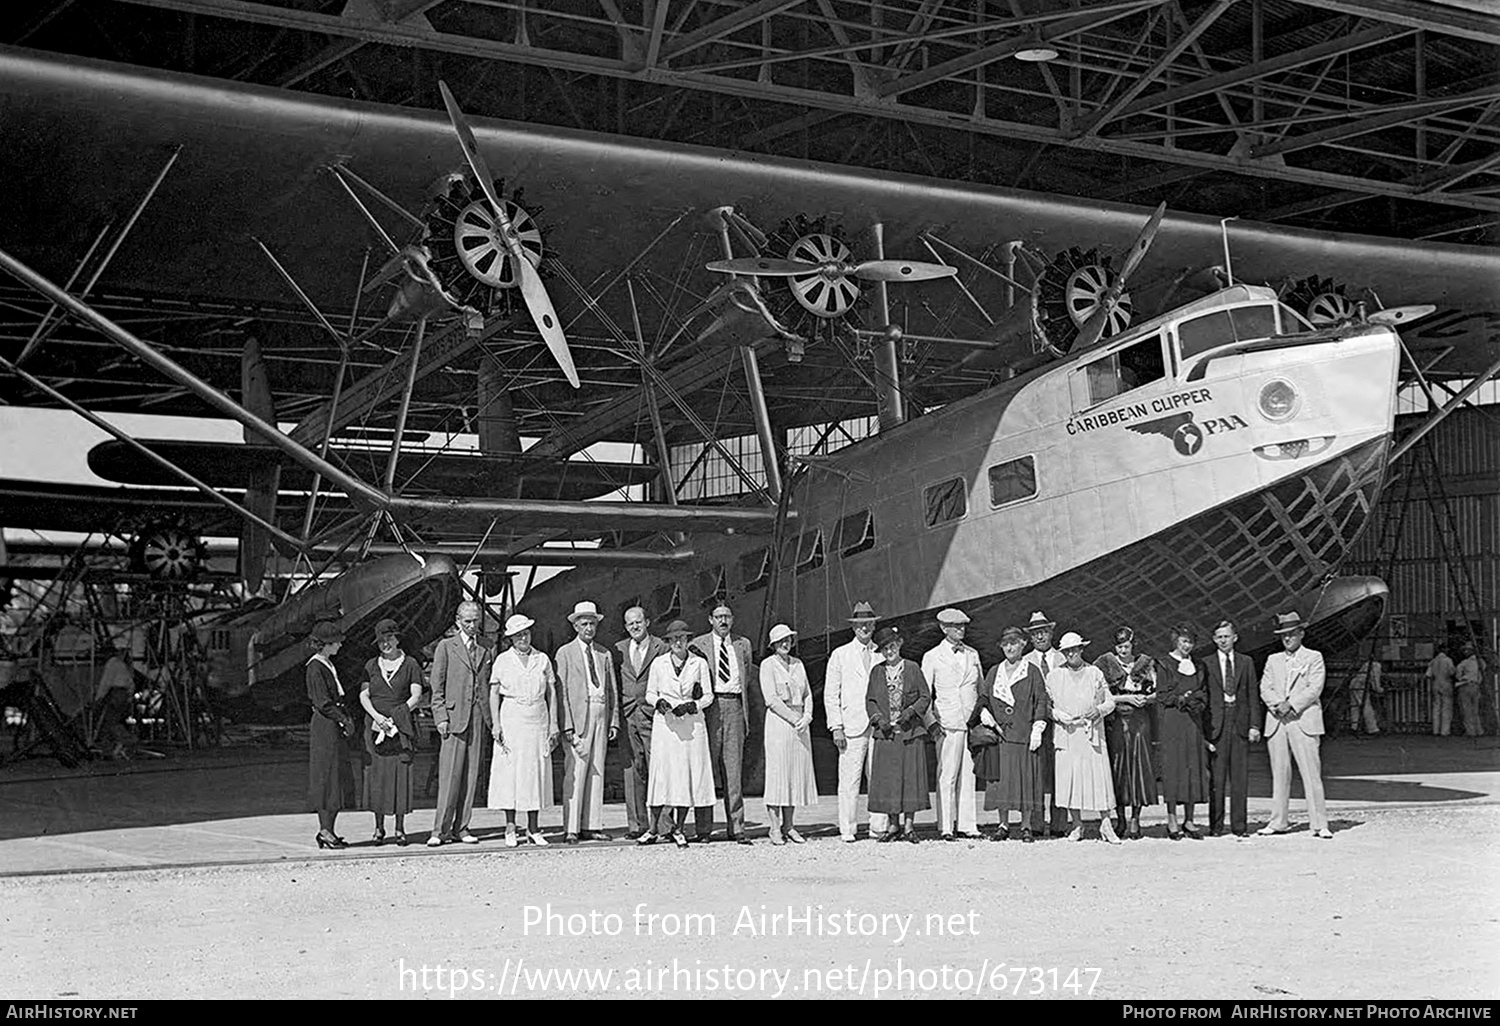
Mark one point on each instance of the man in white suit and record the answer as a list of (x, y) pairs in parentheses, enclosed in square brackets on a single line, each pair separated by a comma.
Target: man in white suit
[(1291, 686), (846, 682), (952, 671), (588, 720)]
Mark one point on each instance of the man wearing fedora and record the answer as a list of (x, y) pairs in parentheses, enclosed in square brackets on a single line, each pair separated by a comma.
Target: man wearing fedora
[(846, 681), (638, 650), (1046, 659), (1290, 687), (728, 718), (952, 670), (589, 720), (459, 682)]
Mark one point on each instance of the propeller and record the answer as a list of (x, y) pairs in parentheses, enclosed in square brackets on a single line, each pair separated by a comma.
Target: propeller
[(532, 289), (1093, 328), (869, 270)]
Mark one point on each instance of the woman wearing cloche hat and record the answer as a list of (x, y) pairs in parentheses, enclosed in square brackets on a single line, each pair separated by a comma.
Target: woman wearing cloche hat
[(1080, 700), (522, 683), (789, 763), (330, 778), (391, 689)]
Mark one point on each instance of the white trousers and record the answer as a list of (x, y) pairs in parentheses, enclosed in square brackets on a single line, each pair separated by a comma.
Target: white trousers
[(854, 764), (1286, 744), (583, 775), (955, 784)]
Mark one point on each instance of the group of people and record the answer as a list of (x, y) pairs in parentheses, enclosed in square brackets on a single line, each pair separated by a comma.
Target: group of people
[(1047, 734)]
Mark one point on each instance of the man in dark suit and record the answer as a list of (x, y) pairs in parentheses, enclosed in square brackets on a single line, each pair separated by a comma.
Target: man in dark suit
[(461, 711), (637, 651), (729, 725), (1234, 725)]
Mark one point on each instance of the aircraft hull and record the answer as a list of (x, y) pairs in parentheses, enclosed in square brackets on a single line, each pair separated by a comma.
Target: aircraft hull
[(264, 649)]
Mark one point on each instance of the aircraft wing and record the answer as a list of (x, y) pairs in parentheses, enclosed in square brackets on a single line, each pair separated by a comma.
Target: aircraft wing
[(446, 473), (254, 159)]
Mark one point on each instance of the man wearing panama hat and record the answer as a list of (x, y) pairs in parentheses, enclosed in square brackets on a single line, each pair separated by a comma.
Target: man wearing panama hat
[(952, 670), (846, 680), (589, 720), (1291, 687)]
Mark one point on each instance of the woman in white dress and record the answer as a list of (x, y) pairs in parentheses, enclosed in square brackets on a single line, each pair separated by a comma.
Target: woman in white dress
[(1080, 700), (681, 774), (521, 708), (789, 763)]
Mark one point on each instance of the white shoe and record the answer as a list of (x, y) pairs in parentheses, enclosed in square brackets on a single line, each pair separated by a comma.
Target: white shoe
[(510, 839), (1269, 831), (848, 838), (1325, 834), (537, 839), (434, 841)]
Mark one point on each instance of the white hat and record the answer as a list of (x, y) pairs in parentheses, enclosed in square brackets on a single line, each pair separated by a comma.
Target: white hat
[(953, 616), (584, 610), (1072, 639), (1039, 621), (517, 623), (781, 631)]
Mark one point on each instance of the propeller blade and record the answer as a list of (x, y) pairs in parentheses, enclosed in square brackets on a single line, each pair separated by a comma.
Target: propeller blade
[(1142, 245), (540, 305), (532, 289), (902, 270), (766, 266), (1093, 328)]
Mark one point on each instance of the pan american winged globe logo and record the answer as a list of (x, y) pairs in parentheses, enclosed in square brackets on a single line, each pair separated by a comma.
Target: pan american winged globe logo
[(1186, 436)]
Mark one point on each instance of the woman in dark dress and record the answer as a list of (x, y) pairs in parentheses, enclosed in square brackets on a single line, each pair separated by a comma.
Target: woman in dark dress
[(897, 699), (1128, 730), (330, 778), (1182, 693), (1013, 703), (391, 690)]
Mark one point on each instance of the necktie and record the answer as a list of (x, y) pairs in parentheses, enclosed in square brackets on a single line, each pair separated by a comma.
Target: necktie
[(723, 662), (588, 657)]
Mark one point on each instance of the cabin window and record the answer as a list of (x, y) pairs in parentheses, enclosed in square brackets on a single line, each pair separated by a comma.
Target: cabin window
[(810, 551), (1012, 481), (755, 569), (1221, 327), (855, 533), (712, 587), (946, 502), (1124, 369), (667, 601)]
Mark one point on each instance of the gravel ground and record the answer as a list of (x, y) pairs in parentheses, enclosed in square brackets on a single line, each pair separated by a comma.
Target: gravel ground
[(1401, 904)]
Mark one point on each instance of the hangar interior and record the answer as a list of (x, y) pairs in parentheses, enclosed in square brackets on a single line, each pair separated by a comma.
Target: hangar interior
[(1378, 118)]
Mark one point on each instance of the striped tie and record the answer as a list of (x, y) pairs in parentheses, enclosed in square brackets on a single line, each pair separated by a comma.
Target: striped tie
[(723, 662)]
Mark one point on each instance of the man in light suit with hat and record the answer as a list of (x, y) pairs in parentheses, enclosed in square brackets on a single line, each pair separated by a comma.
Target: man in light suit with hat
[(459, 682), (588, 719), (1291, 686), (846, 682), (952, 670)]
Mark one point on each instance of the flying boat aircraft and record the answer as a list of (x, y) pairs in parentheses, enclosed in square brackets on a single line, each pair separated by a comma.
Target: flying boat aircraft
[(1200, 431)]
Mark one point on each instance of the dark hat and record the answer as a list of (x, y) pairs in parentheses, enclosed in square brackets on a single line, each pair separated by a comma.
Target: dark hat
[(1288, 622), (1013, 633), (386, 626), (863, 611), (886, 635), (677, 627), (325, 632)]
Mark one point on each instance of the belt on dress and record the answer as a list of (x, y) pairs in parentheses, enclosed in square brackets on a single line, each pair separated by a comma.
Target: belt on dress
[(723, 695)]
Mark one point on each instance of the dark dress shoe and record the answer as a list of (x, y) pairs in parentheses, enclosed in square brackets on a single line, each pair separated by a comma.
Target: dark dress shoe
[(947, 837), (1002, 834), (1175, 835), (633, 835), (401, 841), (742, 839), (911, 837), (1135, 832), (1216, 832), (570, 839), (1026, 837), (1192, 832)]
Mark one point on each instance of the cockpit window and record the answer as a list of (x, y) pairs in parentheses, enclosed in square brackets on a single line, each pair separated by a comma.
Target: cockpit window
[(1120, 371), (1221, 327)]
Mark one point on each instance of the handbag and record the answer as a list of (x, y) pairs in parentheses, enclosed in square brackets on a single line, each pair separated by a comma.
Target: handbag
[(982, 736)]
